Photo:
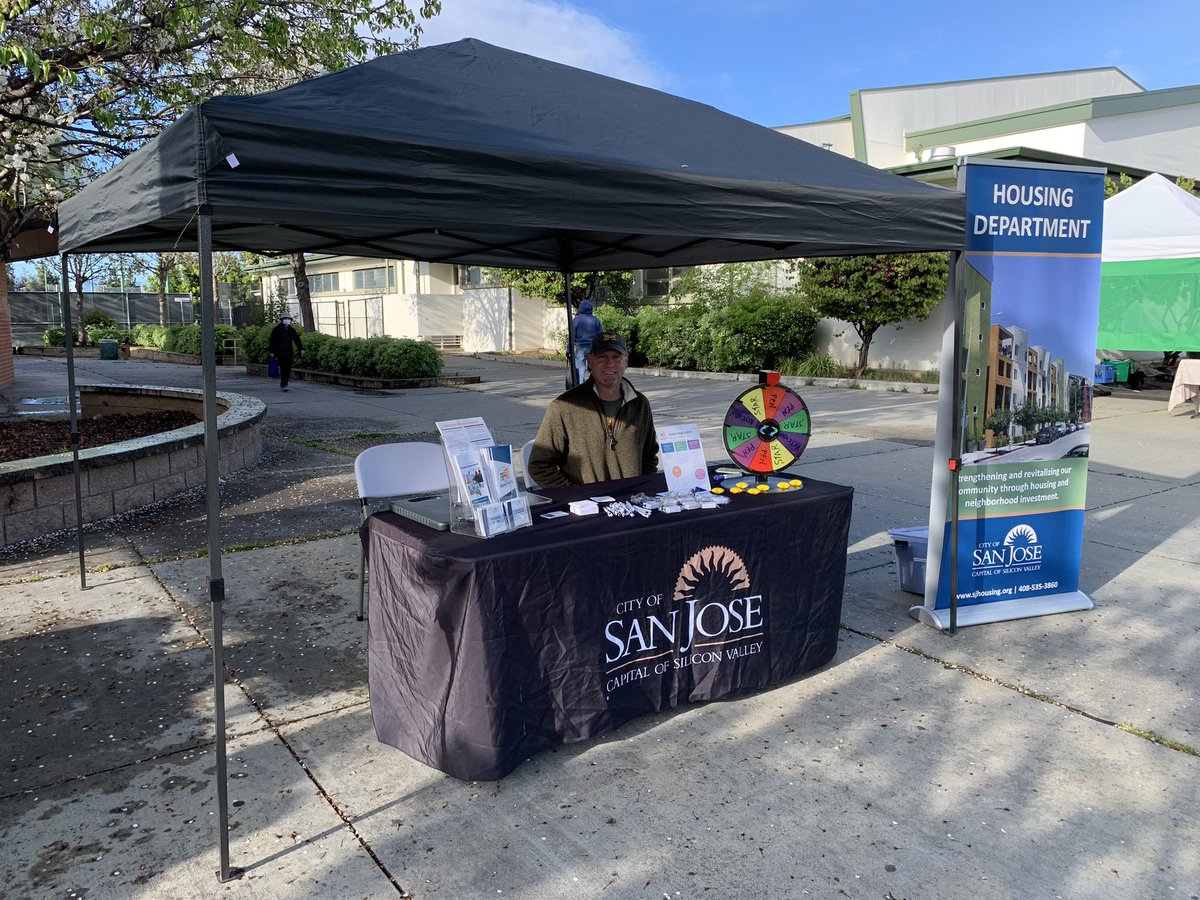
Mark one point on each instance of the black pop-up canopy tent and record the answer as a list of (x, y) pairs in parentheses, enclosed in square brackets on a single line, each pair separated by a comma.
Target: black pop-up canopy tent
[(468, 153)]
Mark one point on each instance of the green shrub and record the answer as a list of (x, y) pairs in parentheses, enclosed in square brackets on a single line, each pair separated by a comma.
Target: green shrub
[(254, 343), (403, 358), (668, 335), (325, 353), (54, 337), (149, 336), (816, 365), (360, 357), (223, 333), (98, 333), (98, 318), (183, 339), (758, 331)]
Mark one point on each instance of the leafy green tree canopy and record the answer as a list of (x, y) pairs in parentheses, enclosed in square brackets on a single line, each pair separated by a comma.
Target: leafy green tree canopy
[(870, 292), (550, 287), (87, 81)]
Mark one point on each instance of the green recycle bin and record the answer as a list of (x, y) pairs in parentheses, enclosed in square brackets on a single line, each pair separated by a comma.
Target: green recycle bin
[(108, 349)]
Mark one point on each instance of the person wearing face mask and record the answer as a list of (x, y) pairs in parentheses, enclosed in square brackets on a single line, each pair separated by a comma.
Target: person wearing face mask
[(279, 347), (599, 431)]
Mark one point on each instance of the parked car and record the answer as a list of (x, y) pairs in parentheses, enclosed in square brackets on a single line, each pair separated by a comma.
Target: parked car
[(1047, 435)]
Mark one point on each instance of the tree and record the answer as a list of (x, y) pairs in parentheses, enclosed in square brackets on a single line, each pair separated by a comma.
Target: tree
[(303, 294), (85, 82), (82, 268), (41, 276), (998, 422), (869, 292), (1025, 416), (160, 269), (722, 284), (229, 268), (550, 286)]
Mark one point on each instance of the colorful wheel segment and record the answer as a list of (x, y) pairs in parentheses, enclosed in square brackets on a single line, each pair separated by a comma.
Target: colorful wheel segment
[(766, 429)]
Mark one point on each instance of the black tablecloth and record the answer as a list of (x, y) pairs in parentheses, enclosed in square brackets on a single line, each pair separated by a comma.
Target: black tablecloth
[(484, 652)]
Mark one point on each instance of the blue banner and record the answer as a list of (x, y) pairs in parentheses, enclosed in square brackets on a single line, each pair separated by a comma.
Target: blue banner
[(1027, 291)]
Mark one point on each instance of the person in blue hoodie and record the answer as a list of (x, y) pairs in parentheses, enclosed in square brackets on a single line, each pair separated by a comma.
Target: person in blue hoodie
[(583, 332)]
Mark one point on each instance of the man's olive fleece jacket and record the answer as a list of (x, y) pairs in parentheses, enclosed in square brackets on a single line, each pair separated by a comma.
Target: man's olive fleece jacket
[(573, 445)]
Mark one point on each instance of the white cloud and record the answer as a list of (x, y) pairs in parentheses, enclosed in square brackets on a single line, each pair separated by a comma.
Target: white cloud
[(551, 30)]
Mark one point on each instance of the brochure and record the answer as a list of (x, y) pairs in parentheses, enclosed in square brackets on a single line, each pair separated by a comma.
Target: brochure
[(462, 440), (498, 472)]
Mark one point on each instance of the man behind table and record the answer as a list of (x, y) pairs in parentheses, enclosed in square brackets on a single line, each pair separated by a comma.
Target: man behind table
[(599, 431)]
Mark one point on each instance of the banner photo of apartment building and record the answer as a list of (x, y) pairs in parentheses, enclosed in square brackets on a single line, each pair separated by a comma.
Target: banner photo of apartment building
[(1028, 288)]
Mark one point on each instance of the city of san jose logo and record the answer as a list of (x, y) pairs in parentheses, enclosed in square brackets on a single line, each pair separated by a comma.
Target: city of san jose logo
[(1019, 548), (710, 615)]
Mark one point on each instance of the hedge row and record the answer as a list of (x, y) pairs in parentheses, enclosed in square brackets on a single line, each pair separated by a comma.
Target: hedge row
[(57, 337), (380, 357), (745, 335)]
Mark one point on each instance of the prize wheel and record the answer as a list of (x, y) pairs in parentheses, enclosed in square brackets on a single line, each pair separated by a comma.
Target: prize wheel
[(767, 428)]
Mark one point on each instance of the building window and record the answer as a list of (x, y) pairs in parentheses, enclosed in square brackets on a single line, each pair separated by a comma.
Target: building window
[(288, 286), (476, 276), (379, 278), (325, 283), (658, 282)]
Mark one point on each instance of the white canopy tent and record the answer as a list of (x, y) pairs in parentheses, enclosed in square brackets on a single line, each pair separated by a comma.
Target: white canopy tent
[(1150, 272)]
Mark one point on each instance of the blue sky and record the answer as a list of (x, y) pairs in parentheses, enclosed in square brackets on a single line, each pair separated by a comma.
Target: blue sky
[(781, 62)]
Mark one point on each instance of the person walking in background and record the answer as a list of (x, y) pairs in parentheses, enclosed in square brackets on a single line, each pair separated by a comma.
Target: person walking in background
[(279, 347), (583, 332)]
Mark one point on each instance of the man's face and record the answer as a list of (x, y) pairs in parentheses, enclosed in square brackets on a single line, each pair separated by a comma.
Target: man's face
[(607, 367)]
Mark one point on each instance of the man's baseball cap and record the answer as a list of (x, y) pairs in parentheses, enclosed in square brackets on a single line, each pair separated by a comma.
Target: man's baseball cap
[(609, 340)]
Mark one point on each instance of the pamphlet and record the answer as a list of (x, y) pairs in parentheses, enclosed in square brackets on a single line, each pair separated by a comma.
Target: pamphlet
[(517, 511), (498, 472), (683, 459), (462, 440), (490, 520)]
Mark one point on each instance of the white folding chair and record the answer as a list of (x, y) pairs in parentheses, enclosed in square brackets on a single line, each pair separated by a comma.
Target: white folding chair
[(393, 470), (530, 484)]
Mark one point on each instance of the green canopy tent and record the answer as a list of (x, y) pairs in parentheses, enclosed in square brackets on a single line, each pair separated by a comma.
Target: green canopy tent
[(1150, 268)]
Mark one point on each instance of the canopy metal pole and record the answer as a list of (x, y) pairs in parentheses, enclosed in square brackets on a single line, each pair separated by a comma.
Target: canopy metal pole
[(956, 430), (564, 250), (69, 343), (216, 584)]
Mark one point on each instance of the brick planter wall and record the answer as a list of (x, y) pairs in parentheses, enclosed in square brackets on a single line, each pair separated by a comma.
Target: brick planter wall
[(37, 496)]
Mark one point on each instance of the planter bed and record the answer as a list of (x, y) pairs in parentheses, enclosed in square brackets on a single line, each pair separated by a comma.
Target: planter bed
[(37, 496)]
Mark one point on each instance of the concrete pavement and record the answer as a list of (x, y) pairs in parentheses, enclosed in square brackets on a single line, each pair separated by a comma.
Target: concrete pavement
[(1044, 757)]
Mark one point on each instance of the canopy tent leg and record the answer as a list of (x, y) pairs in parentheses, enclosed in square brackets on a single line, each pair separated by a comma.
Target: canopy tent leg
[(69, 329), (564, 248), (216, 584), (957, 261)]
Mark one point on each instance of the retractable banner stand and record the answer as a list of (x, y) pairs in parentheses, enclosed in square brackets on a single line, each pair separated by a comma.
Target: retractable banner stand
[(1014, 418)]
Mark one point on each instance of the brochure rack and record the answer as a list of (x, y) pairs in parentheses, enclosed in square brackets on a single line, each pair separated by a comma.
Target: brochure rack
[(484, 494)]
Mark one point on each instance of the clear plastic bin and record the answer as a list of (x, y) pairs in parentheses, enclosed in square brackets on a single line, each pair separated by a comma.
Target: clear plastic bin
[(911, 545)]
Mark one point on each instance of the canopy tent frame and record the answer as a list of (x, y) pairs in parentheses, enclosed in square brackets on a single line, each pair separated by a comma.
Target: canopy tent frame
[(607, 176)]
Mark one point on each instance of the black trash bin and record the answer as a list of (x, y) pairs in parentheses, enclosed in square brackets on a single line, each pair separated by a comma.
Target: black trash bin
[(108, 349)]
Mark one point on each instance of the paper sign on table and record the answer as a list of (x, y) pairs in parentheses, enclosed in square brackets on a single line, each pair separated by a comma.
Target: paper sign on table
[(683, 457)]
